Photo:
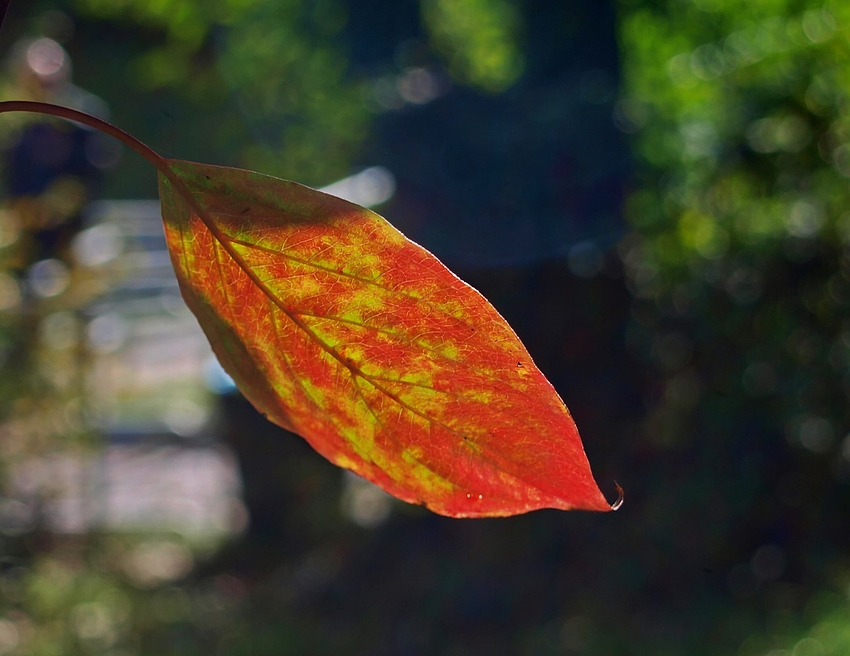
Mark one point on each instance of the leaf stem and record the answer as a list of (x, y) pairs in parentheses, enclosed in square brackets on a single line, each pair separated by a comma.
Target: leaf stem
[(86, 119), (127, 139)]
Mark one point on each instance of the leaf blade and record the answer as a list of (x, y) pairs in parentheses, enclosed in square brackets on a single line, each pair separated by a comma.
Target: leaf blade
[(336, 326)]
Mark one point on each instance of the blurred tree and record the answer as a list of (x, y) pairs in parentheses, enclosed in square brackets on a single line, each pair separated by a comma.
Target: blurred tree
[(740, 271), (503, 143), (480, 39)]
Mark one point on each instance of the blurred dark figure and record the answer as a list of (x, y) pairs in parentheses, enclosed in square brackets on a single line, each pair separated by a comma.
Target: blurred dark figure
[(51, 168)]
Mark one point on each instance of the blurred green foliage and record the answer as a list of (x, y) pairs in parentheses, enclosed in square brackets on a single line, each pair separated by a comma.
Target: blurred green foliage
[(279, 61), (480, 39), (741, 117), (745, 111)]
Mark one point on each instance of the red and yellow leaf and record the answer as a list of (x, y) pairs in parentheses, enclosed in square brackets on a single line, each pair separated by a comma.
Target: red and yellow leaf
[(337, 327)]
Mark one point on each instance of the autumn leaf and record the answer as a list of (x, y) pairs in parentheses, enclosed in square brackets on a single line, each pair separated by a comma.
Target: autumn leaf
[(338, 328)]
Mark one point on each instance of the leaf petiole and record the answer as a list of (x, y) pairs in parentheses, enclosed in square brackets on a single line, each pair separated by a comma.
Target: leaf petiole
[(93, 122), (125, 138)]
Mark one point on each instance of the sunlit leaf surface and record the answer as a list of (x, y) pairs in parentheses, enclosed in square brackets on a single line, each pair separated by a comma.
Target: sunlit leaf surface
[(337, 327)]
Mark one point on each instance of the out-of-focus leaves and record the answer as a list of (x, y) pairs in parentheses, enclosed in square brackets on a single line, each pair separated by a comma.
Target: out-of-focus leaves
[(337, 327), (739, 267), (744, 110), (479, 38), (300, 108)]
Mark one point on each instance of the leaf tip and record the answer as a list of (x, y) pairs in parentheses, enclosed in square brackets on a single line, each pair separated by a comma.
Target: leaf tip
[(620, 495)]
